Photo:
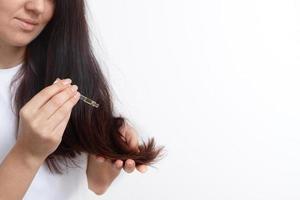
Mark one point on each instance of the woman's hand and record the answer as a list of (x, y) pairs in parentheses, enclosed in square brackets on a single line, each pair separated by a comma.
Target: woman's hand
[(44, 118), (131, 138), (102, 172)]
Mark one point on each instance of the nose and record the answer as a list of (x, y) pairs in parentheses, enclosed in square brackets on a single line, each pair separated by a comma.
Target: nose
[(36, 6)]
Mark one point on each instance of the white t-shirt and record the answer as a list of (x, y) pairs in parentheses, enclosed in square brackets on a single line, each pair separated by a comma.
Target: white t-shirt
[(72, 185)]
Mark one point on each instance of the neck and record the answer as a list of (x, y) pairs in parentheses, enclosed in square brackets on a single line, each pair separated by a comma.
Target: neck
[(10, 56)]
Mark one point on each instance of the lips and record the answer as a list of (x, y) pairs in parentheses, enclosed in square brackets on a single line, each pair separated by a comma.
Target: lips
[(28, 21), (26, 24)]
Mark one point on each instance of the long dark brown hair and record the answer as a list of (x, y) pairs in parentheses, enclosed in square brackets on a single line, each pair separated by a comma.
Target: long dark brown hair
[(63, 50)]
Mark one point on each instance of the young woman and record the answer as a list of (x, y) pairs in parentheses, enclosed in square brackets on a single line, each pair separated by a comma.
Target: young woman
[(46, 63)]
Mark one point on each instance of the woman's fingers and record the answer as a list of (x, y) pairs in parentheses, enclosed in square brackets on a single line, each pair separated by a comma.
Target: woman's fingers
[(57, 101), (63, 112), (100, 159), (43, 96), (118, 164), (142, 168), (39, 135), (59, 129), (129, 166)]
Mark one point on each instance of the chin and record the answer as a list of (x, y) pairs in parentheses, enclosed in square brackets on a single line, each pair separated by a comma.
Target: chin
[(21, 41), (20, 44)]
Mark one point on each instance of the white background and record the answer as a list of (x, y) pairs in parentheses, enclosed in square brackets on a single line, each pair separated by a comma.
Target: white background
[(214, 81)]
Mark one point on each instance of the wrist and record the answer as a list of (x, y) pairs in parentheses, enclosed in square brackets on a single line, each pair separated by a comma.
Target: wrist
[(26, 156)]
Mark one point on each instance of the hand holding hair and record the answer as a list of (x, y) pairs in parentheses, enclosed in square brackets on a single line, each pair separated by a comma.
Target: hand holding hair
[(131, 138)]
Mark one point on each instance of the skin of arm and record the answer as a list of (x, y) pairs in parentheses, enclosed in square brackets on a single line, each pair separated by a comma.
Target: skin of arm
[(16, 173), (102, 172)]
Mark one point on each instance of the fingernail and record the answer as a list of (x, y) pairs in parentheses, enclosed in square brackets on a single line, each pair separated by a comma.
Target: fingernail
[(67, 81), (74, 88), (130, 163), (118, 166), (56, 80), (76, 95)]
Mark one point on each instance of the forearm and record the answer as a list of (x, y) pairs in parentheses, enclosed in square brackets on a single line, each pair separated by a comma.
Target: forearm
[(16, 174)]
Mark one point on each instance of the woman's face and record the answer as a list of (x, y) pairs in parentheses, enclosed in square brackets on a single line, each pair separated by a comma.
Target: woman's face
[(21, 21)]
